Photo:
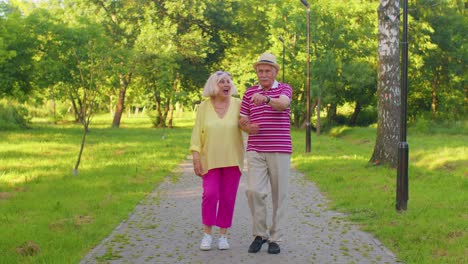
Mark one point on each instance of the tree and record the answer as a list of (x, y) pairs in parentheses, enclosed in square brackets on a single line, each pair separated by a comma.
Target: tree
[(17, 49), (92, 60), (388, 89), (75, 58), (121, 21), (440, 74)]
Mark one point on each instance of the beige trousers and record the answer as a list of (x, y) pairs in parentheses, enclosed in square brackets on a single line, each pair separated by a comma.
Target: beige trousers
[(268, 171)]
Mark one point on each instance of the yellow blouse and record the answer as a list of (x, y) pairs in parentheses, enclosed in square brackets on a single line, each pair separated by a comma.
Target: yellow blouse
[(218, 140)]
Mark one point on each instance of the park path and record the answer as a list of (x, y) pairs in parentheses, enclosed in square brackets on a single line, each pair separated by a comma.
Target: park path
[(165, 228)]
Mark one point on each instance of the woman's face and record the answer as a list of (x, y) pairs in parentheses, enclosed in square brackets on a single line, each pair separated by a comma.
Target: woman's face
[(224, 87)]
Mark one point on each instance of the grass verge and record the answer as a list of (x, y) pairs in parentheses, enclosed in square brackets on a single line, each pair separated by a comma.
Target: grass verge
[(47, 215), (434, 228)]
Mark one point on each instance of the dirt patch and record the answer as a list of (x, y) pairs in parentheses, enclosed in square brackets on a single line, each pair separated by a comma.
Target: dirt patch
[(58, 225), (82, 220), (119, 152), (5, 195), (28, 248)]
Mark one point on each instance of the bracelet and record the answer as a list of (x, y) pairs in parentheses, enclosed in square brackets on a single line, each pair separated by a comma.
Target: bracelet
[(268, 99)]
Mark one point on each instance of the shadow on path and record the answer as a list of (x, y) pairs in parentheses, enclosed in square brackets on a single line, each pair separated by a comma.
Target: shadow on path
[(166, 228)]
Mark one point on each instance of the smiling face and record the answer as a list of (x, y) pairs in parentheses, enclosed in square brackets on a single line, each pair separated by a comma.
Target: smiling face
[(266, 75), (224, 87), (219, 84)]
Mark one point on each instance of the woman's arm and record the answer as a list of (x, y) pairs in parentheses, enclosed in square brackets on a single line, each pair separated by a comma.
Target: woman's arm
[(246, 126), (197, 167)]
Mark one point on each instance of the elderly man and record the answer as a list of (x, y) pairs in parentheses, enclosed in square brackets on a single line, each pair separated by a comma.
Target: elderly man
[(265, 116)]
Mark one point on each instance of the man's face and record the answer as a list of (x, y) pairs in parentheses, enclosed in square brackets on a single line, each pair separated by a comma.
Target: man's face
[(266, 75)]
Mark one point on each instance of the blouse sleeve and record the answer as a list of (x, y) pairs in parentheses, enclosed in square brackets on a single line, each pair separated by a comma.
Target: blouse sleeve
[(196, 141)]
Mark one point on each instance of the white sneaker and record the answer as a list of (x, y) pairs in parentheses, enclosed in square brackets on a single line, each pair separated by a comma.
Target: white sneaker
[(206, 242), (223, 243)]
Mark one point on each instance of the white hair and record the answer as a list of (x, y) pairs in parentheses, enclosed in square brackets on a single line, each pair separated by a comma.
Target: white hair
[(211, 85)]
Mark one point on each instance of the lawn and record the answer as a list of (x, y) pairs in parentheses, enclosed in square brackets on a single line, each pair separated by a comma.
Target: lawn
[(434, 228), (48, 215)]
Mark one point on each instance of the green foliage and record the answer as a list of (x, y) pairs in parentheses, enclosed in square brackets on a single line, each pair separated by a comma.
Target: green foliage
[(428, 125), (167, 49), (438, 73), (13, 115), (367, 117), (18, 46)]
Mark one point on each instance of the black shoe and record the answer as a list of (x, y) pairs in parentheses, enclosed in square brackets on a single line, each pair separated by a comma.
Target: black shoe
[(256, 244), (273, 248)]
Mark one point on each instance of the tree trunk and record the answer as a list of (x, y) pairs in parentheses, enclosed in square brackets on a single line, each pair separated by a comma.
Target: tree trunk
[(434, 97), (170, 116), (331, 115), (124, 82), (54, 106), (319, 106), (160, 112), (76, 112), (388, 89), (357, 110), (83, 140)]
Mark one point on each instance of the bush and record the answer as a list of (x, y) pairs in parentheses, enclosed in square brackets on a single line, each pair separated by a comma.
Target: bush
[(46, 110), (367, 116), (13, 116), (427, 125)]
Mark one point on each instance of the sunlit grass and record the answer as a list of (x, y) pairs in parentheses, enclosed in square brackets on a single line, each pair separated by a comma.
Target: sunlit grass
[(44, 207), (433, 229)]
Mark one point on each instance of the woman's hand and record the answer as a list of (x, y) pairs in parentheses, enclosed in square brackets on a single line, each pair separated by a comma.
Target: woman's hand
[(245, 125), (253, 128), (197, 167)]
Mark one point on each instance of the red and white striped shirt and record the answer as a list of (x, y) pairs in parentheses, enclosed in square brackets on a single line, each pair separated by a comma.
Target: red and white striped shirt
[(274, 133)]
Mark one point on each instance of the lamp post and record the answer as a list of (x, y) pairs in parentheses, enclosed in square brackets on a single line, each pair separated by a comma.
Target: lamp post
[(282, 41), (402, 173), (308, 126)]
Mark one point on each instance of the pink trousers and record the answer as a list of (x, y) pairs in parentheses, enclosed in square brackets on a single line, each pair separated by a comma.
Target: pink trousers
[(219, 196)]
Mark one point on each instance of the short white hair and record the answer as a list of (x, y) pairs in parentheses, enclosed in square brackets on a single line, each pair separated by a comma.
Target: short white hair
[(211, 85)]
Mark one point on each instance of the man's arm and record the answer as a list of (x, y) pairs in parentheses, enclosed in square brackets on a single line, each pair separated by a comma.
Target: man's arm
[(281, 103)]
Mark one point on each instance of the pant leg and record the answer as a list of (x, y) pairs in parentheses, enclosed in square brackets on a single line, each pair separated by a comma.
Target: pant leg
[(229, 183), (279, 170), (210, 196), (257, 191)]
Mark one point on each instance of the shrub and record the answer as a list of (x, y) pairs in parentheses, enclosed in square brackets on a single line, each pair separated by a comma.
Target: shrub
[(367, 116), (13, 116), (431, 126)]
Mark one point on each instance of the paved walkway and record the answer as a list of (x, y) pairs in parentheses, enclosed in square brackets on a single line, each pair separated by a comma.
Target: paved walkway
[(166, 228)]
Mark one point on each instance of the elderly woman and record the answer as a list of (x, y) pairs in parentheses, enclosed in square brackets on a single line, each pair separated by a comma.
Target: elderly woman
[(217, 150)]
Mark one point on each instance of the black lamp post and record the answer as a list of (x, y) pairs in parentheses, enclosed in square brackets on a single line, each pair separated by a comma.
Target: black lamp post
[(282, 41), (402, 174), (308, 126)]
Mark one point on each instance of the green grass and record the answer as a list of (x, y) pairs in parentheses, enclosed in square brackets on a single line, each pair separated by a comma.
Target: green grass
[(434, 228), (47, 215)]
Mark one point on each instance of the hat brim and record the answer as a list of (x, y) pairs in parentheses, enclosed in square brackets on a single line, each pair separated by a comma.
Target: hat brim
[(268, 63)]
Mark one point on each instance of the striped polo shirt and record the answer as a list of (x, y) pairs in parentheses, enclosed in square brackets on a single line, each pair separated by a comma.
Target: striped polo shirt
[(274, 126)]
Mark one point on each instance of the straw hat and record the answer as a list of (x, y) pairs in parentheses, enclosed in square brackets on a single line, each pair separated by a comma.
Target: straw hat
[(267, 58)]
